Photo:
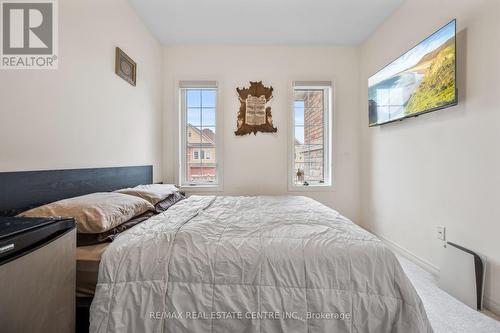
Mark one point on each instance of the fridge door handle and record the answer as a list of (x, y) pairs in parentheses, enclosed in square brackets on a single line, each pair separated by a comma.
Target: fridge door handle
[(7, 248)]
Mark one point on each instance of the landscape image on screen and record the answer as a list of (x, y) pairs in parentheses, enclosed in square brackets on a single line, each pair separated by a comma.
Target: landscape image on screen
[(421, 80)]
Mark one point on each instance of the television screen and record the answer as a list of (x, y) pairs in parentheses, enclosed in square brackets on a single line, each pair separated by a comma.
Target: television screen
[(420, 81)]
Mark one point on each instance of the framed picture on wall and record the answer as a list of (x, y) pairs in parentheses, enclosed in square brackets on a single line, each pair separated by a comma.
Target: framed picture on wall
[(125, 67), (254, 115)]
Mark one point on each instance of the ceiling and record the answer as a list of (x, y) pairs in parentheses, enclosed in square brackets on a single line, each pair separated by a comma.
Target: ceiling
[(296, 22)]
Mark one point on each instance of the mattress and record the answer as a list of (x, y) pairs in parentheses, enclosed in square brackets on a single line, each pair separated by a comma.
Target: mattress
[(253, 264), (88, 259)]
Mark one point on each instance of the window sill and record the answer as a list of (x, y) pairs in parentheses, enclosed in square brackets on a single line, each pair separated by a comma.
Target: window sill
[(311, 188), (202, 188)]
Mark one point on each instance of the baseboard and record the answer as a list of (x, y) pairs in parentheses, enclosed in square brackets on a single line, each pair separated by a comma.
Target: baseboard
[(427, 266), (492, 306), (489, 304)]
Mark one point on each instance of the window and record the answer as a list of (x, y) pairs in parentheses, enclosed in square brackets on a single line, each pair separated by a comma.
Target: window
[(198, 112), (311, 160)]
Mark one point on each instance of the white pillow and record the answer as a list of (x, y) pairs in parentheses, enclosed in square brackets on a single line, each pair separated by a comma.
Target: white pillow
[(153, 193)]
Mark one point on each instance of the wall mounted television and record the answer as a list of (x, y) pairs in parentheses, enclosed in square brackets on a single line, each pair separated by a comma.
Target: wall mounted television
[(420, 81)]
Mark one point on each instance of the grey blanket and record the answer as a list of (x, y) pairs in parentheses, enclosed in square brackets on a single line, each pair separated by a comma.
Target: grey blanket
[(252, 264)]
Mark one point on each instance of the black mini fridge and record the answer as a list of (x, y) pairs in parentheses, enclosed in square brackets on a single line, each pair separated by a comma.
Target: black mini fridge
[(37, 274)]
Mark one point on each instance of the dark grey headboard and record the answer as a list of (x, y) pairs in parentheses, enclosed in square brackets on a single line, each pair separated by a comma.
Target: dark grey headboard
[(22, 190)]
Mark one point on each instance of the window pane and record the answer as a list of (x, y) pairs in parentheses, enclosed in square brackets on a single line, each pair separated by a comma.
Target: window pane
[(189, 156), (314, 99), (193, 135), (209, 155), (299, 135), (310, 136), (299, 103), (314, 164), (301, 95), (194, 172), (308, 164), (209, 173), (193, 152), (313, 173), (298, 173), (208, 136), (190, 133), (208, 98), (299, 113), (313, 116), (300, 153), (208, 116), (194, 116), (316, 154), (313, 135), (200, 165), (193, 98)]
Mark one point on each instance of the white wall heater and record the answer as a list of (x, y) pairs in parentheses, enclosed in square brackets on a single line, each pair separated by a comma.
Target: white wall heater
[(462, 275)]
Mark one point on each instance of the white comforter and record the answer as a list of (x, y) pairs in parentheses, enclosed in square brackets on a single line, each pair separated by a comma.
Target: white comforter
[(252, 264)]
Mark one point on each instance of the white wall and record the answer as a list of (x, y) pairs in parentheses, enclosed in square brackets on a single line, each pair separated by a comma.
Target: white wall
[(441, 168), (83, 114), (258, 164)]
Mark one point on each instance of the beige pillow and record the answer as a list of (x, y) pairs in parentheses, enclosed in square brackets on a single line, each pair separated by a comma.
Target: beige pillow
[(153, 193), (96, 212)]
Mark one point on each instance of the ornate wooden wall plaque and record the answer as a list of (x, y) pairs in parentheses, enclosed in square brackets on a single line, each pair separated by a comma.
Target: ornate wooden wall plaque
[(254, 116), (125, 67)]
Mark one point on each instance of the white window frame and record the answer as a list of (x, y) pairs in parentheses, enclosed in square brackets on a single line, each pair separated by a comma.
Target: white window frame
[(327, 87), (182, 136)]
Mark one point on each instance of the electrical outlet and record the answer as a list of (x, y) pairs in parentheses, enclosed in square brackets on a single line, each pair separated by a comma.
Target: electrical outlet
[(441, 232)]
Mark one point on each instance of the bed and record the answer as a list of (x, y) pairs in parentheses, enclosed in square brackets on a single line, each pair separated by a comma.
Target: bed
[(238, 264), (252, 264), (88, 259)]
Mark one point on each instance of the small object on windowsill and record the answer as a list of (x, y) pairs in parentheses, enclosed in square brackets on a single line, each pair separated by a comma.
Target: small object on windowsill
[(300, 175), (306, 184)]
